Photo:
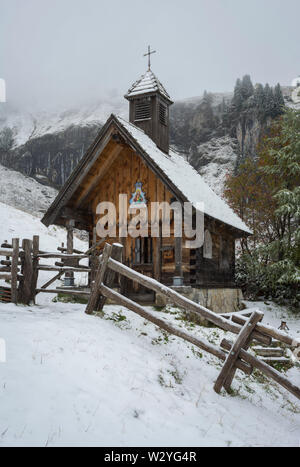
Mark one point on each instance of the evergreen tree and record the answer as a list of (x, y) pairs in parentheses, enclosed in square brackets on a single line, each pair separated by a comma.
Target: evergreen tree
[(286, 166), (224, 112), (207, 99), (223, 106), (266, 194), (259, 99), (269, 100), (210, 121), (247, 88), (278, 100), (6, 139), (238, 100)]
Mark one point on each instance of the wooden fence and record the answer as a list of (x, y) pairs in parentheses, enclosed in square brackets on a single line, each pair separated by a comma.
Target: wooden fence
[(22, 266), (23, 262), (17, 268)]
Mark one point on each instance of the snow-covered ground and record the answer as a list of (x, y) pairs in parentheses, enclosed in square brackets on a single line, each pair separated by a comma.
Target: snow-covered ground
[(73, 379), (17, 223), (274, 314)]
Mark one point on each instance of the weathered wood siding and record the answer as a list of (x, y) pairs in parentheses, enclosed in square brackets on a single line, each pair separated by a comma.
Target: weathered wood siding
[(158, 131), (120, 178), (117, 171), (219, 270)]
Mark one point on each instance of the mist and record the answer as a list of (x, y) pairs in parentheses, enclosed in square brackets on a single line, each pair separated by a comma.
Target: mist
[(66, 52)]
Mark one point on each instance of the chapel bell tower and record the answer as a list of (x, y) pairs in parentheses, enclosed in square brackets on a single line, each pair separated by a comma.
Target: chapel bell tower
[(149, 105)]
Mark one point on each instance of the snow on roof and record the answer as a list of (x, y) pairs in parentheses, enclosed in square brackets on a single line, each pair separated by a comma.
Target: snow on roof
[(146, 84), (186, 179)]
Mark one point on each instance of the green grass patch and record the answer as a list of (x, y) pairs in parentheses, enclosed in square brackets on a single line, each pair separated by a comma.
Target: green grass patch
[(64, 298)]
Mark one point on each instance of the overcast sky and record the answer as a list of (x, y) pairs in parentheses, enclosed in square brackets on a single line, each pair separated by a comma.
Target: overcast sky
[(67, 51)]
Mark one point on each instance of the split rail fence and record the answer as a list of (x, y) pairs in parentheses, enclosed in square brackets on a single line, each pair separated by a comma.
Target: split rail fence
[(23, 263)]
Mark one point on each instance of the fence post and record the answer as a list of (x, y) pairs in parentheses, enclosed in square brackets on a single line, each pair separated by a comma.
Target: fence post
[(93, 258), (122, 279), (109, 277), (95, 286), (70, 250), (25, 286), (35, 264), (14, 270), (233, 355)]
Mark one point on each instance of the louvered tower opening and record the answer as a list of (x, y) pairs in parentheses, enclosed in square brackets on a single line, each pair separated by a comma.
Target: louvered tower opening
[(142, 110), (162, 113)]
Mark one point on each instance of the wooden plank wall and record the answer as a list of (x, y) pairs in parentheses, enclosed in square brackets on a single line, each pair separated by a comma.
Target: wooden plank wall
[(219, 270), (120, 177)]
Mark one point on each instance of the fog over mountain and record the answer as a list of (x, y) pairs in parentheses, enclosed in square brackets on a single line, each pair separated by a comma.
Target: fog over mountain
[(56, 54), (68, 64), (48, 145)]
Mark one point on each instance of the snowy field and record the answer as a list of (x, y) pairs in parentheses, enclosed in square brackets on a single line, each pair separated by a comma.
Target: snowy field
[(72, 379), (17, 223)]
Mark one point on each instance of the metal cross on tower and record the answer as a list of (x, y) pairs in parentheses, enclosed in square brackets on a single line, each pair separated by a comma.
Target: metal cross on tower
[(149, 53)]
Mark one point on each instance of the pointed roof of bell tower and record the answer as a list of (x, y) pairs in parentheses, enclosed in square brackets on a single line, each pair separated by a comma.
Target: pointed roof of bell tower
[(147, 84)]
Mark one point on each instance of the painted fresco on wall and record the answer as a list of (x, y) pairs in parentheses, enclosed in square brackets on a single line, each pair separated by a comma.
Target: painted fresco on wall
[(138, 198)]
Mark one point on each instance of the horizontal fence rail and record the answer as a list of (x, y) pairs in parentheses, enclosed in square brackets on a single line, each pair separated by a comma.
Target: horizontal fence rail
[(180, 300)]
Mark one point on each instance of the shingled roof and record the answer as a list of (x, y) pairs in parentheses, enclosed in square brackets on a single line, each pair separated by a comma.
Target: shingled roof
[(148, 83)]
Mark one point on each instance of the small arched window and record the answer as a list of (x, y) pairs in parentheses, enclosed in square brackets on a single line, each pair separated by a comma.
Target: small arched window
[(207, 246)]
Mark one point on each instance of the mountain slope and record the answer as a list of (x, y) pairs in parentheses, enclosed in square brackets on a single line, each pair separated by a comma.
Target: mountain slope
[(20, 224), (214, 160), (29, 125), (48, 146), (24, 192), (15, 223)]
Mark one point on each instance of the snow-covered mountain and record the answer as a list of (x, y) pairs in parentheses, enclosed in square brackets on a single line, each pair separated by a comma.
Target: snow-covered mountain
[(48, 145), (35, 124), (215, 160), (25, 193)]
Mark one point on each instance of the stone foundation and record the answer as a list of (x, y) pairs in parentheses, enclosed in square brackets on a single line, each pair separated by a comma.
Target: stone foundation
[(221, 300)]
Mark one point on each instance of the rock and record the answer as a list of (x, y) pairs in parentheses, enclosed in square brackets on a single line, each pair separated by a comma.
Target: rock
[(219, 300)]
